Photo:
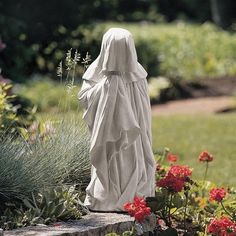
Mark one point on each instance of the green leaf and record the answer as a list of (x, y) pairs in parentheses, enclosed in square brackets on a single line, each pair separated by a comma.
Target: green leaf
[(24, 133), (27, 203), (58, 209)]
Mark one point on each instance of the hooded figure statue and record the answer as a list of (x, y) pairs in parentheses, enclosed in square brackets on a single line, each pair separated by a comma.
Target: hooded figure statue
[(114, 94)]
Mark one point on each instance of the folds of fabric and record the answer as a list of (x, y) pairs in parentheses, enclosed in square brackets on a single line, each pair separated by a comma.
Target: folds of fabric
[(118, 115)]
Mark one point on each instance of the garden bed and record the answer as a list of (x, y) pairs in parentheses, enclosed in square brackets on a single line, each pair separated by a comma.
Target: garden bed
[(224, 86)]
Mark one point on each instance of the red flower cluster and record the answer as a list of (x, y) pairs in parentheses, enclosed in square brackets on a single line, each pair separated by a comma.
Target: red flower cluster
[(172, 157), (175, 178), (205, 157), (217, 194), (172, 183), (222, 227), (180, 171), (138, 209)]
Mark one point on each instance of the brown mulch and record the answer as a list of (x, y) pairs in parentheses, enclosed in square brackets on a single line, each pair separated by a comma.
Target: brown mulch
[(204, 105), (204, 96)]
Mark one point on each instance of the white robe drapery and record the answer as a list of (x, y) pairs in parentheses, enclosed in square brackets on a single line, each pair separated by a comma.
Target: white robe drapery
[(117, 111)]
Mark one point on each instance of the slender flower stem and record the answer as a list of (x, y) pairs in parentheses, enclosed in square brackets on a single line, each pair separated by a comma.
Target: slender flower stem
[(165, 208), (226, 211), (169, 212), (185, 209), (67, 76), (204, 179), (205, 175), (73, 73)]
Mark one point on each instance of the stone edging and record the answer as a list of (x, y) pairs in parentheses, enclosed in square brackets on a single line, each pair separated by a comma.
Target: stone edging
[(92, 224)]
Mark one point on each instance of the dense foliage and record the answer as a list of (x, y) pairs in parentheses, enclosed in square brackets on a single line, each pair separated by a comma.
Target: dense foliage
[(176, 51), (183, 50), (38, 34), (15, 111), (47, 206)]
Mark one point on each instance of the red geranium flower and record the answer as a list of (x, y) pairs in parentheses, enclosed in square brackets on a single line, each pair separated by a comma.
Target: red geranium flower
[(180, 171), (140, 201), (222, 227), (217, 194), (172, 183), (205, 157), (130, 208), (142, 213), (138, 209), (172, 157)]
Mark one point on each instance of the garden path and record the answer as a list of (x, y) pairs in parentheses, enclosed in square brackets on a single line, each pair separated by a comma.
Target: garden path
[(204, 105)]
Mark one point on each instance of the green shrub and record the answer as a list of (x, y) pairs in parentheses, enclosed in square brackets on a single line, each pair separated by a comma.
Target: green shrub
[(15, 111), (7, 110), (50, 205), (182, 50), (47, 206), (177, 50)]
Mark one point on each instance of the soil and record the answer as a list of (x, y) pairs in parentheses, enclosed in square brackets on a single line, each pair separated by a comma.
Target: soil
[(204, 105), (204, 96)]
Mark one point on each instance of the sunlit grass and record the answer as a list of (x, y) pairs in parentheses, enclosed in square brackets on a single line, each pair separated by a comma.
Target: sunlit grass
[(188, 135)]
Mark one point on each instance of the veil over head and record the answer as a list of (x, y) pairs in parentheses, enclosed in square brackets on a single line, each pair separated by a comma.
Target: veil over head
[(117, 55)]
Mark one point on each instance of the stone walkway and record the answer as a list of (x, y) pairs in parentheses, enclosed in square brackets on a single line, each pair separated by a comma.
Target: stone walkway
[(205, 105)]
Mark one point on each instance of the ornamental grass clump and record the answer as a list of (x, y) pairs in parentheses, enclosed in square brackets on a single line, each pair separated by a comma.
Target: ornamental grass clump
[(27, 166), (16, 179)]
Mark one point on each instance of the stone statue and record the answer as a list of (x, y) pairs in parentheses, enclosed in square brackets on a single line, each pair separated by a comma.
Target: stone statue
[(114, 94)]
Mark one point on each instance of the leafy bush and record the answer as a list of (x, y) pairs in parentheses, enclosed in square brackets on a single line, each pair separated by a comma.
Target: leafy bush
[(156, 86), (177, 50), (47, 206), (15, 111), (61, 203), (7, 110), (182, 50)]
